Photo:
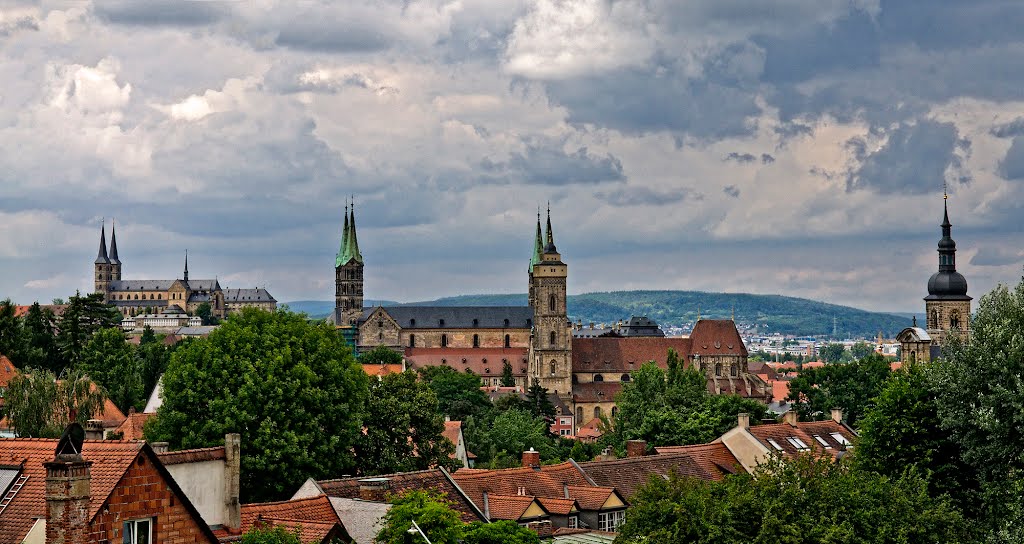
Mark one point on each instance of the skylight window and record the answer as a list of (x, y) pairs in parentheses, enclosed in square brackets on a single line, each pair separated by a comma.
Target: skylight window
[(840, 438), (775, 444), (797, 443), (822, 441)]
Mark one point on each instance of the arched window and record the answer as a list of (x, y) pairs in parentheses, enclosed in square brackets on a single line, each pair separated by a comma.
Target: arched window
[(554, 338), (718, 369), (934, 321), (734, 370), (380, 335), (136, 296), (380, 324), (552, 303), (444, 340), (625, 378), (579, 415), (615, 411), (597, 411), (412, 340), (598, 378), (508, 340), (476, 340), (552, 367), (954, 320), (160, 296)]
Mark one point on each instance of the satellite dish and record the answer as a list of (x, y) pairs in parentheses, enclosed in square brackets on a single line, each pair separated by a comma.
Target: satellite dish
[(70, 442)]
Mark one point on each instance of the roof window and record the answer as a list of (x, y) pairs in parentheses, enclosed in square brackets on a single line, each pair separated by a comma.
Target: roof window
[(822, 441), (797, 443), (840, 438), (775, 444)]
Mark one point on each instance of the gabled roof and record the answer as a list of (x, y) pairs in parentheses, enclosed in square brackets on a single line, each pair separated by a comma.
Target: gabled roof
[(248, 295), (552, 481), (362, 519), (452, 431), (716, 337), (435, 479), (558, 507), (315, 517), (629, 473), (7, 371), (457, 317), (110, 460), (805, 431), (913, 334), (510, 507), (131, 429), (713, 457)]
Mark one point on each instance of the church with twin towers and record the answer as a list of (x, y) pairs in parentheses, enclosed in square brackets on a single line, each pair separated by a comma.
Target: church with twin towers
[(582, 369)]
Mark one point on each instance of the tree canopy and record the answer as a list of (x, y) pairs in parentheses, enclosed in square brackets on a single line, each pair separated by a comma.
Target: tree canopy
[(435, 516), (39, 405), (850, 386), (291, 388)]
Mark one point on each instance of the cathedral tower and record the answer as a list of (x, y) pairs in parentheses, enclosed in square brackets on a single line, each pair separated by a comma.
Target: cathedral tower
[(947, 305), (102, 266), (348, 274), (551, 344), (115, 263)]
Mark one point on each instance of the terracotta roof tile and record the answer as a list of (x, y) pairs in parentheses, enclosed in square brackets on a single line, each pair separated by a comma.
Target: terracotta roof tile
[(382, 370), (315, 517), (474, 359), (615, 354), (434, 479), (510, 507), (131, 428), (716, 337), (714, 458), (590, 497), (549, 481), (7, 371), (192, 456), (805, 432), (628, 474), (559, 507)]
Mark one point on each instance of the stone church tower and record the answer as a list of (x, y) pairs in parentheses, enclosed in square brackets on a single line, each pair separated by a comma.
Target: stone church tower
[(947, 306), (101, 266), (551, 342), (348, 274)]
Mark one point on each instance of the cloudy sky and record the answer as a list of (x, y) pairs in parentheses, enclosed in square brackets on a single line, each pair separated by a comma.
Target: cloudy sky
[(779, 146)]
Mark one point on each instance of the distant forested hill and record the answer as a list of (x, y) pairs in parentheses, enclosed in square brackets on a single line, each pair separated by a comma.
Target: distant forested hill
[(771, 313)]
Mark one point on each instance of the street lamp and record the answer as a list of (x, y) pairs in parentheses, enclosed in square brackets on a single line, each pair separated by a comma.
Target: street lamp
[(412, 532)]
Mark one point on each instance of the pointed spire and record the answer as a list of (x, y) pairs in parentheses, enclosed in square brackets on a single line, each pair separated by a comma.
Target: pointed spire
[(352, 232), (101, 256), (344, 239), (538, 244), (113, 244), (349, 249), (186, 266), (550, 247)]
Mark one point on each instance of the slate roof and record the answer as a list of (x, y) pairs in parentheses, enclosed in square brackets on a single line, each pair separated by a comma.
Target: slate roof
[(436, 479), (110, 460), (716, 337), (628, 474), (474, 359), (248, 295), (314, 517), (140, 303), (611, 354), (202, 330), (140, 285), (457, 317)]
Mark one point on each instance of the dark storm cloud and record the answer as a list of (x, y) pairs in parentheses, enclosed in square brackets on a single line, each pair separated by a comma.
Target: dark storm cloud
[(792, 129), (767, 159), (742, 158), (317, 36), (161, 12), (996, 256), (849, 43), (1009, 130), (645, 196), (731, 190), (1012, 165), (912, 161), (550, 165)]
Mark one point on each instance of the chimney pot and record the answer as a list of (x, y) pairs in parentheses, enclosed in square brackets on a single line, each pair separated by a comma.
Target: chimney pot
[(232, 481), (743, 420), (159, 447), (94, 429), (531, 458), (636, 448), (791, 417), (374, 489), (837, 415)]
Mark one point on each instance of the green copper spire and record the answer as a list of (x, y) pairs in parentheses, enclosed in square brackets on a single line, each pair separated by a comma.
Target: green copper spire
[(353, 245), (538, 244), (344, 240)]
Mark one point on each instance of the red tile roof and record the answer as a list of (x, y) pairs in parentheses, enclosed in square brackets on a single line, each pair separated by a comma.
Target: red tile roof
[(474, 359), (131, 428), (716, 337), (7, 371), (435, 479), (595, 391), (510, 507), (714, 458), (382, 370), (179, 457), (614, 355), (315, 517), (549, 481), (592, 429), (628, 474), (559, 507), (590, 497), (805, 432)]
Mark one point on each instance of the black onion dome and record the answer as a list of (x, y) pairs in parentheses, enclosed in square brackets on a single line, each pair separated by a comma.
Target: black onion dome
[(947, 284)]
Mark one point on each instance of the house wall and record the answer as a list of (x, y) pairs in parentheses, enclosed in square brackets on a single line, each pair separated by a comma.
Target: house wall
[(204, 484), (143, 493)]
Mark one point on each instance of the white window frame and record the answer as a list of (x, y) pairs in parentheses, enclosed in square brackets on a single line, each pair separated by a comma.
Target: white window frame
[(573, 522), (840, 438), (775, 444), (131, 531), (824, 443), (797, 443), (610, 521)]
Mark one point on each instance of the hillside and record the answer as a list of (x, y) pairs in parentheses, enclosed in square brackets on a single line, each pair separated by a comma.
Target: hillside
[(771, 313)]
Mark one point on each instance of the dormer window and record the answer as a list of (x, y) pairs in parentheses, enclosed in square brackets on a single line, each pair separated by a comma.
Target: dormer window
[(440, 322), (476, 322), (412, 322), (798, 444)]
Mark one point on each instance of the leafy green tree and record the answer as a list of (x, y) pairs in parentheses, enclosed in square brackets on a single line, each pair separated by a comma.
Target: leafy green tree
[(39, 329), (832, 353), (980, 400), (510, 434), (272, 535), (507, 380), (806, 500), (432, 513), (861, 349), (498, 532), (110, 361), (539, 404), (153, 358), (458, 393), (406, 430), (205, 312), (57, 301), (291, 388), (39, 405), (83, 317), (12, 342), (902, 431), (851, 386)]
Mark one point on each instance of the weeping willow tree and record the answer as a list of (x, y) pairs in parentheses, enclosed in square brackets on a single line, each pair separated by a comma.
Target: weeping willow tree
[(37, 404)]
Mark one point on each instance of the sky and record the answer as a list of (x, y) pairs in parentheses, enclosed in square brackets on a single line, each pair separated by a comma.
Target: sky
[(797, 147)]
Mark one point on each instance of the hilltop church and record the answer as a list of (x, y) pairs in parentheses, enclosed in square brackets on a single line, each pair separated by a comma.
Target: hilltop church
[(582, 372), (177, 296), (947, 306)]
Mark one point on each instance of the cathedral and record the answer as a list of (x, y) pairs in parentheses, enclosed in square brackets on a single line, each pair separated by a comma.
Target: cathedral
[(582, 372), (947, 306), (177, 296)]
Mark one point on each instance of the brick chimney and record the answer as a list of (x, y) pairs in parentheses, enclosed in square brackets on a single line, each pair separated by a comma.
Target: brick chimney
[(94, 429), (837, 415), (67, 499), (531, 458), (232, 483), (543, 528), (743, 420), (636, 448), (374, 489), (791, 417)]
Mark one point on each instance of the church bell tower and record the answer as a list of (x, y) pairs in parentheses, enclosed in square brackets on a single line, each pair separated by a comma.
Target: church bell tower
[(551, 343), (947, 306), (102, 268), (348, 274)]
